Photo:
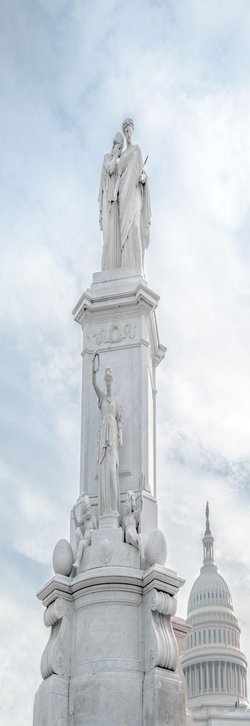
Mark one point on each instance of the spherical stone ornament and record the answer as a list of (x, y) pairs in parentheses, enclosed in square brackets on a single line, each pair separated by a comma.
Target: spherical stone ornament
[(63, 558), (156, 548)]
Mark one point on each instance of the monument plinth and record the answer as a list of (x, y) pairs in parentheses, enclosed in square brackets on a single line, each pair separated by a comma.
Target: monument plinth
[(112, 655)]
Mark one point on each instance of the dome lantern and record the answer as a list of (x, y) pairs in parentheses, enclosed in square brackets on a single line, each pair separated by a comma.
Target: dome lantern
[(208, 542)]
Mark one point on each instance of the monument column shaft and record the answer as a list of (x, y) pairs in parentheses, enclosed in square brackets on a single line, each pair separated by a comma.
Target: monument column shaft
[(117, 316)]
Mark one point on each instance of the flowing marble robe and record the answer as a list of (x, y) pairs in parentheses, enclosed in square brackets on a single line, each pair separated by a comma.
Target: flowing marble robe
[(108, 454), (134, 208), (111, 255)]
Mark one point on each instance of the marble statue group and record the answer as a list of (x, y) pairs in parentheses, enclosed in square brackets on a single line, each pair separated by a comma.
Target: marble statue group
[(112, 654), (124, 203), (110, 439)]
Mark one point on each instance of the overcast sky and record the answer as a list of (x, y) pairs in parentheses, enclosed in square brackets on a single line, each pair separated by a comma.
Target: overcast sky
[(71, 70)]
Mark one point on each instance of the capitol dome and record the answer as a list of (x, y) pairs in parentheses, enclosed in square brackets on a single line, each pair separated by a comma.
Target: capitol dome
[(209, 588), (214, 666)]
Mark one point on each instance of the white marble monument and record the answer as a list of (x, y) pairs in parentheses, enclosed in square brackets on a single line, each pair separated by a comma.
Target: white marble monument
[(112, 656)]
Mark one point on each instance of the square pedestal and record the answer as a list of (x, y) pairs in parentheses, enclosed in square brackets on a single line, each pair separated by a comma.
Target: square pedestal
[(163, 699), (51, 702), (106, 699)]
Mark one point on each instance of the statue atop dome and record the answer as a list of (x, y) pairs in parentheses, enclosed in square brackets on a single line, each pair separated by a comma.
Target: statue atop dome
[(208, 542), (208, 530)]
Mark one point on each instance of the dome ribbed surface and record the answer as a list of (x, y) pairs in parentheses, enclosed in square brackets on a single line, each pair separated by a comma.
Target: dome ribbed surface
[(209, 588)]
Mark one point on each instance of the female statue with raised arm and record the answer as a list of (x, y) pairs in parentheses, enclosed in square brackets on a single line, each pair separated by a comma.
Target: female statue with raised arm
[(110, 439), (108, 208), (134, 202)]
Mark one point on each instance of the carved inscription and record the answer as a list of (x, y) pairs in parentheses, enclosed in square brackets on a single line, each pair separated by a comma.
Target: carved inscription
[(115, 333)]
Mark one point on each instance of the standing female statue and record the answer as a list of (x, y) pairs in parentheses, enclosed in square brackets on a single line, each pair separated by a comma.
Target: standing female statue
[(110, 439), (134, 202), (108, 209)]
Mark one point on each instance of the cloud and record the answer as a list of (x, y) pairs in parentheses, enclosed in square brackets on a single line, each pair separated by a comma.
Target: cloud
[(21, 627)]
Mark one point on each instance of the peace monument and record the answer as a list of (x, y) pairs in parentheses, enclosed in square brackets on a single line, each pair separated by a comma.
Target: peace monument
[(112, 655)]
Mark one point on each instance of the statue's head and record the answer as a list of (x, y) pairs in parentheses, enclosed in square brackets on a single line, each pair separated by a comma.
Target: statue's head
[(128, 128), (108, 377), (118, 142), (130, 502)]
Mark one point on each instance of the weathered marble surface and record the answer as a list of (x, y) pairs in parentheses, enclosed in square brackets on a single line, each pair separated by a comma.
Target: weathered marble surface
[(133, 201), (108, 548), (112, 656), (117, 316), (51, 706), (164, 701), (131, 521), (110, 628), (85, 524), (108, 443), (108, 207), (124, 203)]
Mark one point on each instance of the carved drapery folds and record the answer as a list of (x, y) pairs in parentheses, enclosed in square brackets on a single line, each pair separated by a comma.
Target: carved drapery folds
[(55, 658), (165, 651)]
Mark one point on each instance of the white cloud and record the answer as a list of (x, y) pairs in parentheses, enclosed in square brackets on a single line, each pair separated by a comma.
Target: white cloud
[(20, 676)]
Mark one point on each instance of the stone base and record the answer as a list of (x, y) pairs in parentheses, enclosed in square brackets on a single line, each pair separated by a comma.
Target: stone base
[(51, 702), (108, 548), (106, 699), (108, 520), (163, 699), (110, 629)]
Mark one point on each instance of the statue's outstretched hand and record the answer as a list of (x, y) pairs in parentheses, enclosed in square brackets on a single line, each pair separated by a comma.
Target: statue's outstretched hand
[(142, 177), (95, 363)]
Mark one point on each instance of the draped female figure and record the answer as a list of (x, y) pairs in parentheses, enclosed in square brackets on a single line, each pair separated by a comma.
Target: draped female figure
[(109, 441), (134, 202), (108, 208)]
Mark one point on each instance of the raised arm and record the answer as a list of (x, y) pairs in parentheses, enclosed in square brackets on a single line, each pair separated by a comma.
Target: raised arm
[(95, 368)]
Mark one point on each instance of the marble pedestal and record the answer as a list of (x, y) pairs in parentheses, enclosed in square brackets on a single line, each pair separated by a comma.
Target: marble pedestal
[(118, 319), (112, 656), (163, 698)]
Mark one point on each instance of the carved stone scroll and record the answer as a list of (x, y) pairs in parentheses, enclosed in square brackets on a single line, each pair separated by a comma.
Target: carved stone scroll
[(55, 658), (164, 603), (165, 652)]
